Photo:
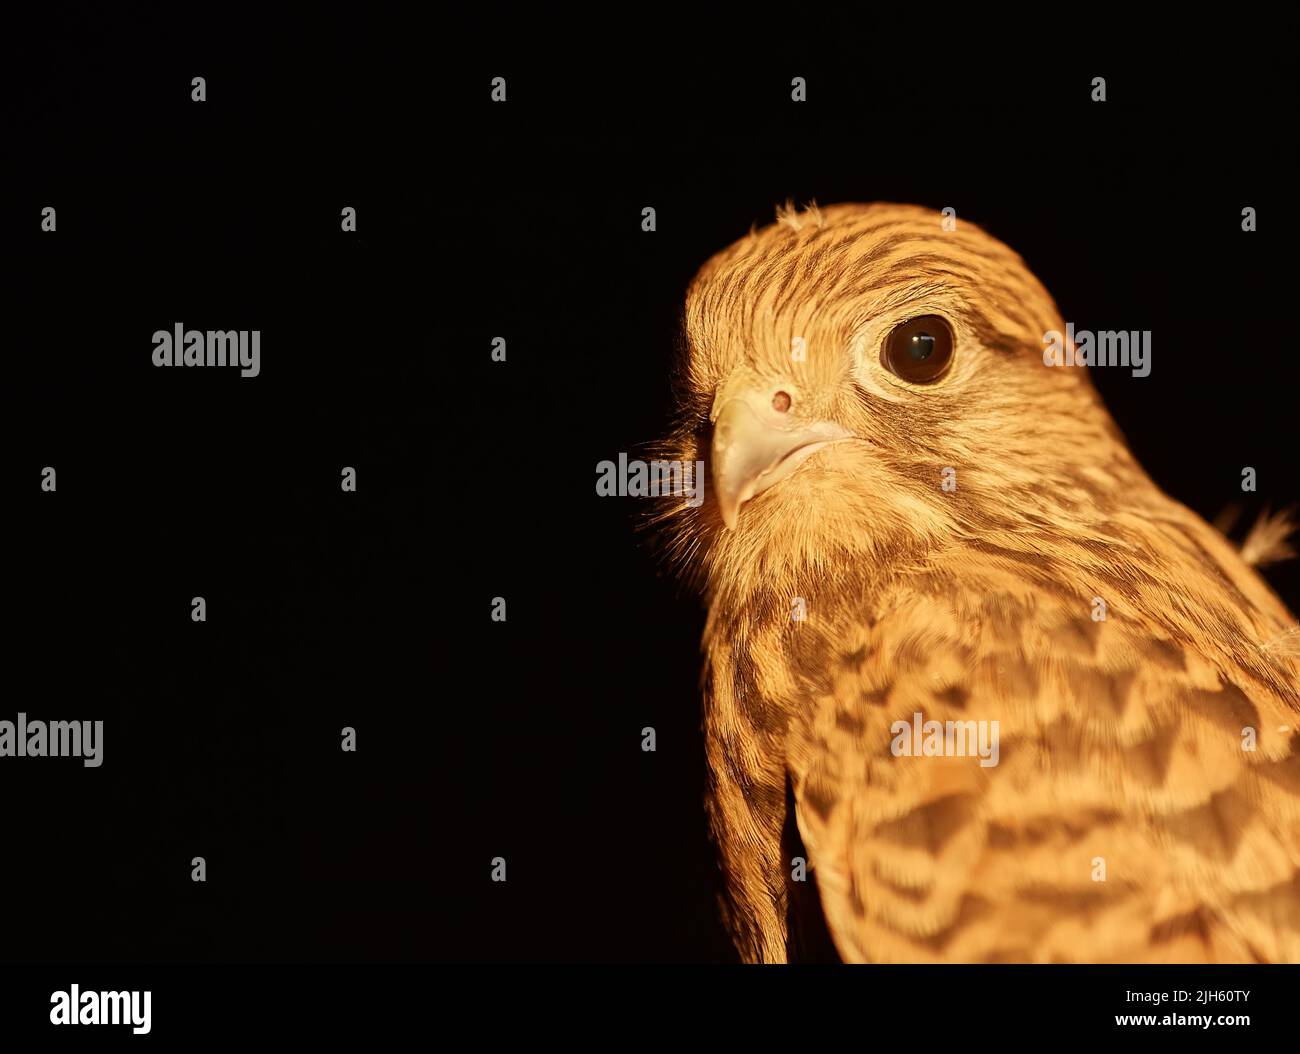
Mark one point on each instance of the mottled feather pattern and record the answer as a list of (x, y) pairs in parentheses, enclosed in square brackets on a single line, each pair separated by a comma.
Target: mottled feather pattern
[(1121, 739)]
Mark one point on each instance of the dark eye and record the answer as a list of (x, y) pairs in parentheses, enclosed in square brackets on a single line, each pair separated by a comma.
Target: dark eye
[(919, 350)]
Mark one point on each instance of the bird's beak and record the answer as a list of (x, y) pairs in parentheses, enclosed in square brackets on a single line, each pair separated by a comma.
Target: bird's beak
[(754, 446)]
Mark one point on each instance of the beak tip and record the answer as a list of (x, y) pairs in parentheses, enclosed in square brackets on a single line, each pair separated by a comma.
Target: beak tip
[(730, 515)]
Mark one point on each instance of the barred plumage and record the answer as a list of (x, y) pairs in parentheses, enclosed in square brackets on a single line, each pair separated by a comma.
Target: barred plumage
[(1121, 739)]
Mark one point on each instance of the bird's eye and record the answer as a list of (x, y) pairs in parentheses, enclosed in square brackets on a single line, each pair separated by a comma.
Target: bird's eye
[(919, 350)]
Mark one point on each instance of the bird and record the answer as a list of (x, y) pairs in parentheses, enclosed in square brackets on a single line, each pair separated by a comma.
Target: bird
[(913, 521)]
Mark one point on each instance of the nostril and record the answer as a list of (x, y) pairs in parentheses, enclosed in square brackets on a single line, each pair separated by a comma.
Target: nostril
[(781, 402)]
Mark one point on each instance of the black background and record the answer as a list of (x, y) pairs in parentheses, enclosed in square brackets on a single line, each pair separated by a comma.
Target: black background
[(476, 479)]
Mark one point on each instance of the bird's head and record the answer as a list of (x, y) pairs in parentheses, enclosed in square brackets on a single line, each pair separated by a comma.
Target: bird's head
[(860, 380)]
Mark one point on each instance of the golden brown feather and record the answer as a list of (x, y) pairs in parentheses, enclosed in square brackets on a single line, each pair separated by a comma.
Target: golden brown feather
[(1121, 739)]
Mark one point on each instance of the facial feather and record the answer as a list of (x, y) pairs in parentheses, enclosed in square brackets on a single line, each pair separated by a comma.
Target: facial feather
[(1024, 440)]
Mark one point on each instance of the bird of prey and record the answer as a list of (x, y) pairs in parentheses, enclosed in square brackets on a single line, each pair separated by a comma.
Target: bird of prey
[(916, 523)]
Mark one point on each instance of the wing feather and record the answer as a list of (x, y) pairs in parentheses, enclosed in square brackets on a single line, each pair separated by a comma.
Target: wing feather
[(1123, 820)]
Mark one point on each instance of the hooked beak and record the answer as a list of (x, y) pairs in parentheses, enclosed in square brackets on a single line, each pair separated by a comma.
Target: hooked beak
[(754, 445)]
